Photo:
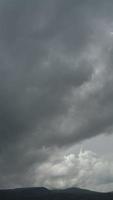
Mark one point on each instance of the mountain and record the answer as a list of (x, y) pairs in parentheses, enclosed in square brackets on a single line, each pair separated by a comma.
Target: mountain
[(41, 193)]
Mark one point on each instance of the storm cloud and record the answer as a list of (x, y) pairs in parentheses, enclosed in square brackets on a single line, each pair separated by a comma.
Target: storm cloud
[(56, 77)]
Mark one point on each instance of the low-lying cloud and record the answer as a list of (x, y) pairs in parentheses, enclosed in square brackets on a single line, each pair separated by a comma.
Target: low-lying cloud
[(85, 170)]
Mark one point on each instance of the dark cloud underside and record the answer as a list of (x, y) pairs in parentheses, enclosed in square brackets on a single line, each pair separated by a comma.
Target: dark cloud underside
[(56, 77)]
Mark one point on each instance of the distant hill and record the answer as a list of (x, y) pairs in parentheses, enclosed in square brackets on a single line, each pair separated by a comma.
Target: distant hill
[(41, 193)]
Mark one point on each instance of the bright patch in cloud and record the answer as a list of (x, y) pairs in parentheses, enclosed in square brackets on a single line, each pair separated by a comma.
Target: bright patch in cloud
[(85, 170)]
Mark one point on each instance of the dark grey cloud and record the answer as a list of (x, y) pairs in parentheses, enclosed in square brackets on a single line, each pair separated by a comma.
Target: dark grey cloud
[(56, 79)]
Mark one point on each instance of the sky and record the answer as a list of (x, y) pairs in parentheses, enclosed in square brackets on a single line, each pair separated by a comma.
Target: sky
[(56, 94)]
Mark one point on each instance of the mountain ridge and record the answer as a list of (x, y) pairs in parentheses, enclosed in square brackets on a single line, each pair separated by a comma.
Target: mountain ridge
[(42, 193)]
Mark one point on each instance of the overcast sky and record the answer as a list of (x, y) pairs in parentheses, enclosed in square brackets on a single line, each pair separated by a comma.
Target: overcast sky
[(56, 93)]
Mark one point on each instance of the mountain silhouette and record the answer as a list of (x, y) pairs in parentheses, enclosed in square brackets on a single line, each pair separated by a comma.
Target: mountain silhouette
[(41, 193)]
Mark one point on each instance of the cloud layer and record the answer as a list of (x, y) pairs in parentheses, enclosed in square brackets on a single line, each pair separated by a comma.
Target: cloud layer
[(85, 170), (56, 77)]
